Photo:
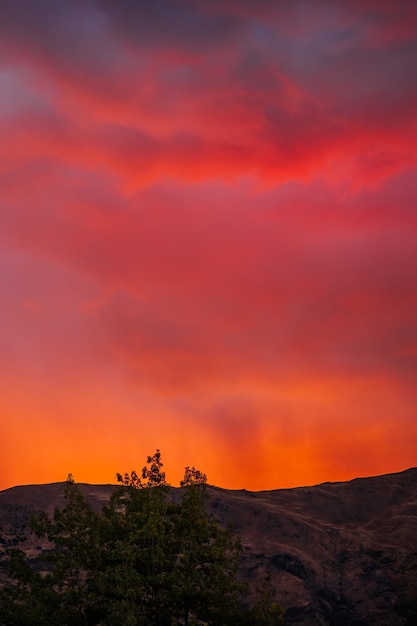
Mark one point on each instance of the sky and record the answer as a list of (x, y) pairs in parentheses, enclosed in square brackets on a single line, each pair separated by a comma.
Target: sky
[(208, 239)]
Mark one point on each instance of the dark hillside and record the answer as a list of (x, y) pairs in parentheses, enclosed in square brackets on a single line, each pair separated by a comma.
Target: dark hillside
[(338, 553)]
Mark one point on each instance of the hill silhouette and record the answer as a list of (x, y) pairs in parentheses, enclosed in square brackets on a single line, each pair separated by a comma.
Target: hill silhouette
[(338, 553)]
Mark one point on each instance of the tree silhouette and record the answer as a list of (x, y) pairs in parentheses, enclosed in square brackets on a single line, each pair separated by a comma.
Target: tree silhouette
[(145, 559)]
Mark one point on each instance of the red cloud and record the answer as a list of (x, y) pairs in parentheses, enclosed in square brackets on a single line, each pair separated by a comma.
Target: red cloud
[(208, 229)]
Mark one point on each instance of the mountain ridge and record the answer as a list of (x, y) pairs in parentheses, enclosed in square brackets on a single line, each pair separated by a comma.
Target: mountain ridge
[(308, 486), (339, 553)]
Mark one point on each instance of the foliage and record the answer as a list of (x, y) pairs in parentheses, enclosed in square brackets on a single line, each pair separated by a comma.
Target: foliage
[(266, 611), (143, 560)]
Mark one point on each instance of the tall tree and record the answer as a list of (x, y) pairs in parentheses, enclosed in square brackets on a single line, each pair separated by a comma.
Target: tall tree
[(145, 559), (136, 574), (208, 558), (58, 593)]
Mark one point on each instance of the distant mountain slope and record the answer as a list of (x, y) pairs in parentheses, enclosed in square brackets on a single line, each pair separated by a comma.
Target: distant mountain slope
[(339, 553)]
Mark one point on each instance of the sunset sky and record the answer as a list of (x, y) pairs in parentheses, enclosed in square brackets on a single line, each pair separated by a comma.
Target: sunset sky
[(208, 239)]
